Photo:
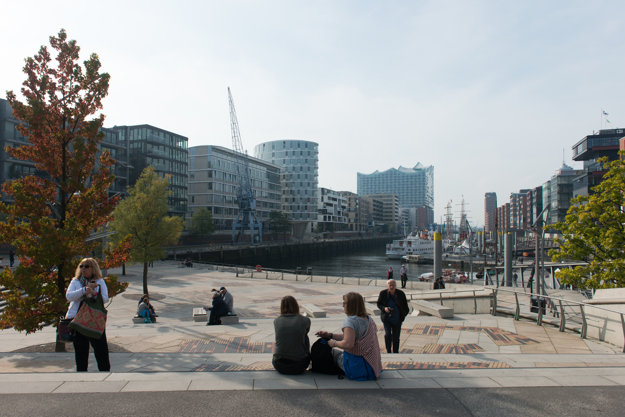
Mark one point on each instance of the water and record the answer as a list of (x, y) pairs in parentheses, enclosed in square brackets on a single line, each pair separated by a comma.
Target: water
[(369, 263)]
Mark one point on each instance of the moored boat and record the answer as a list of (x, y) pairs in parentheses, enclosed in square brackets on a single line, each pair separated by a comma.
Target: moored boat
[(419, 244)]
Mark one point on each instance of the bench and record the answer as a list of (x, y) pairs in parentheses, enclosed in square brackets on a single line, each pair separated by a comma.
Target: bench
[(199, 314), (312, 310), (229, 319), (433, 309), (140, 320), (372, 309)]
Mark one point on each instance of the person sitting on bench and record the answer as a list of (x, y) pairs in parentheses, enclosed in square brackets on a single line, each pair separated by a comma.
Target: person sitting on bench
[(219, 309), (146, 310)]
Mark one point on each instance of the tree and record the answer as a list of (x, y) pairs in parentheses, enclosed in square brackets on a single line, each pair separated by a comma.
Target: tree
[(202, 222), (53, 212), (279, 223), (594, 231), (143, 217)]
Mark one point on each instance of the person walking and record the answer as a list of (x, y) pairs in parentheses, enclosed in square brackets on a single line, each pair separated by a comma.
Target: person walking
[(87, 283), (403, 274), (389, 273), (393, 310)]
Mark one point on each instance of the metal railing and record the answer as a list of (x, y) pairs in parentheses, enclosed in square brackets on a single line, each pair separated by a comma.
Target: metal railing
[(572, 315)]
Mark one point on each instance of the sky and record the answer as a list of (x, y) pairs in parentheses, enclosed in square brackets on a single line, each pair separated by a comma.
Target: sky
[(492, 94)]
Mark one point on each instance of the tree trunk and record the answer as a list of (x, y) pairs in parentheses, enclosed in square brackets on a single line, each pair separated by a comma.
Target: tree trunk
[(145, 278)]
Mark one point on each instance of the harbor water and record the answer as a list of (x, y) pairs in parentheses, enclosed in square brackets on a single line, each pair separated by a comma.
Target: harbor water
[(370, 263)]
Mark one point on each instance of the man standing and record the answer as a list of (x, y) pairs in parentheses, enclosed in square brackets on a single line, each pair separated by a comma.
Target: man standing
[(393, 309), (228, 299), (403, 273)]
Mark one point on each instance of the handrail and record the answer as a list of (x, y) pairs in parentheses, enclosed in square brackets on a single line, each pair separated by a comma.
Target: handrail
[(552, 299), (558, 299)]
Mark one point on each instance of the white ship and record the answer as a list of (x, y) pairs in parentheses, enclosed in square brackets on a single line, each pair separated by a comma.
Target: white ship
[(419, 244)]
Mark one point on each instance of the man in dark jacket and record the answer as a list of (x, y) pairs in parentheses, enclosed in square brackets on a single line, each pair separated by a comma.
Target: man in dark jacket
[(393, 309)]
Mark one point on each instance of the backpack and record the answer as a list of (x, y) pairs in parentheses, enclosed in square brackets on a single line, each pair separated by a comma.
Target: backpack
[(322, 360)]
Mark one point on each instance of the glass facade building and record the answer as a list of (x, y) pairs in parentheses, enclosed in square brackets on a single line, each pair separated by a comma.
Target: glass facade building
[(213, 183), (299, 163), (11, 168), (165, 151), (413, 186)]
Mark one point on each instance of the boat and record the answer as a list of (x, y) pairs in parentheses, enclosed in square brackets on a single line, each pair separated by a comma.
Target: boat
[(428, 276), (410, 259), (420, 244)]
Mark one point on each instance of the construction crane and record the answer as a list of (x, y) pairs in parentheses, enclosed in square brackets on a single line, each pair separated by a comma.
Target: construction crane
[(246, 219)]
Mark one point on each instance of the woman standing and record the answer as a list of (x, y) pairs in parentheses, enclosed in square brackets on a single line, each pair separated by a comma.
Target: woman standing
[(360, 358), (291, 352), (87, 282)]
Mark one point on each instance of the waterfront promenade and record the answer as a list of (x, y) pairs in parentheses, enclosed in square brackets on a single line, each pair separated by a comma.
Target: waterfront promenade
[(177, 354)]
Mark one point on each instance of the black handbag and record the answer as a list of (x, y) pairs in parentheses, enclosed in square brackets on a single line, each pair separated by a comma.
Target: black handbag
[(65, 333)]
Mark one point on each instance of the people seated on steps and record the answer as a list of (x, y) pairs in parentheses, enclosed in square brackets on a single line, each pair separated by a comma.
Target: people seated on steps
[(146, 310), (218, 309)]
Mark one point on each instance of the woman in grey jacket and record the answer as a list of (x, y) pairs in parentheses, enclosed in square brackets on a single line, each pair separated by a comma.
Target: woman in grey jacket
[(291, 351)]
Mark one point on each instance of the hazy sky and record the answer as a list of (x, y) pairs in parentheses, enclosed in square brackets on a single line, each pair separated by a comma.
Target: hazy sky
[(488, 92)]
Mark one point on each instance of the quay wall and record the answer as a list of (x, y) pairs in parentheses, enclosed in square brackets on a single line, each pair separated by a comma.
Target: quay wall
[(268, 254)]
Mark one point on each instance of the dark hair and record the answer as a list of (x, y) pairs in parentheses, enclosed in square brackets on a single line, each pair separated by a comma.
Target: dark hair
[(288, 305), (354, 305)]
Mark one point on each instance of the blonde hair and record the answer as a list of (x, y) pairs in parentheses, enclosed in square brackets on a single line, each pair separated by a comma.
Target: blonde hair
[(354, 305), (93, 264)]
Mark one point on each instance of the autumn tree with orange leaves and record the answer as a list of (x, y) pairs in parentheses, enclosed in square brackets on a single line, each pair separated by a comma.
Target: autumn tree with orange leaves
[(53, 213)]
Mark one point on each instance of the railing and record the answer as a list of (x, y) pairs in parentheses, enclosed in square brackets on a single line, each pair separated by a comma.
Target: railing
[(572, 315)]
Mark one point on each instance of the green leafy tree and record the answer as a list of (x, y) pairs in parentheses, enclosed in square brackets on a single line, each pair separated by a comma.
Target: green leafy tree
[(594, 231), (279, 223), (202, 222), (142, 216), (52, 213)]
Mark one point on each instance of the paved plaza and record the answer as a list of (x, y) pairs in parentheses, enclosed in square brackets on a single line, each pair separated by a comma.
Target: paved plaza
[(178, 354)]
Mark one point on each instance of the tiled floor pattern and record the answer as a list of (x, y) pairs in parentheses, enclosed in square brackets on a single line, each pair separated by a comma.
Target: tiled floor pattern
[(445, 348), (225, 345), (406, 366), (497, 335), (242, 344)]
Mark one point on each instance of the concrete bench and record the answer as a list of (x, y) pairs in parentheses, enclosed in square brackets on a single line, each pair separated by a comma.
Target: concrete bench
[(139, 320), (199, 314), (372, 309), (312, 310), (229, 319), (433, 309)]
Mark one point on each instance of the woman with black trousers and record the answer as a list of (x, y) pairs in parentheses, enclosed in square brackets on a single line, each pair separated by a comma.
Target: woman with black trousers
[(87, 282)]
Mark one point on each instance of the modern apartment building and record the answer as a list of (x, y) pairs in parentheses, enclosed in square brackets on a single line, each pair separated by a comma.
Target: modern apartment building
[(165, 151), (332, 211), (356, 212), (520, 213), (11, 168), (414, 187), (589, 149), (390, 209), (299, 164), (558, 192), (490, 211), (214, 179)]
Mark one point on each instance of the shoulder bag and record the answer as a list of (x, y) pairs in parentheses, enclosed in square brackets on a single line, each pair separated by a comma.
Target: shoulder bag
[(91, 317)]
